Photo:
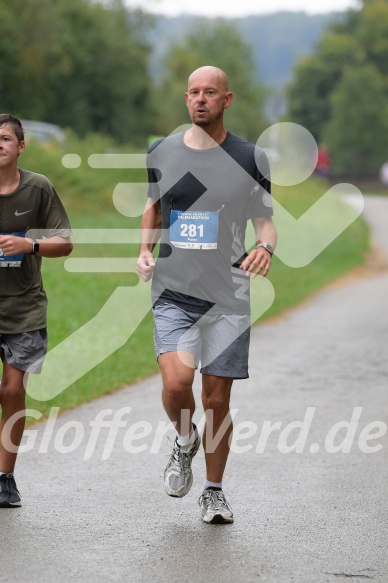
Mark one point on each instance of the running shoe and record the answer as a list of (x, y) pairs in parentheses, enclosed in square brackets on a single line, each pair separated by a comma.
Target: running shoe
[(178, 477), (214, 507), (9, 494)]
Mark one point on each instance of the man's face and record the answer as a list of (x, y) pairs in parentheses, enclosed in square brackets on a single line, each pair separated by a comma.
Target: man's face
[(10, 148), (206, 98)]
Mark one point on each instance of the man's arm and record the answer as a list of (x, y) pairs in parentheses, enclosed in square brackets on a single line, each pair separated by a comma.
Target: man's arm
[(150, 232), (52, 247), (258, 261)]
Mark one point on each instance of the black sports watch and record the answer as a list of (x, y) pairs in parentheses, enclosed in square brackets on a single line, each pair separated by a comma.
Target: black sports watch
[(35, 247)]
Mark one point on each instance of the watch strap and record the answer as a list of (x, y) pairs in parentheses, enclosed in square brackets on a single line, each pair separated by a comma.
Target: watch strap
[(35, 247), (267, 246)]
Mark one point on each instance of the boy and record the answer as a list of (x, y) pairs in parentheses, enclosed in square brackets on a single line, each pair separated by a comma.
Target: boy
[(28, 201)]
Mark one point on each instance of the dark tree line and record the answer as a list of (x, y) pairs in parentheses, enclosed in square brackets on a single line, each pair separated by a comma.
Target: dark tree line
[(84, 64), (76, 63)]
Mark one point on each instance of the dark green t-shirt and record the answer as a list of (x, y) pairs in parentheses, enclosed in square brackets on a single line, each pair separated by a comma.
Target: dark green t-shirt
[(33, 205)]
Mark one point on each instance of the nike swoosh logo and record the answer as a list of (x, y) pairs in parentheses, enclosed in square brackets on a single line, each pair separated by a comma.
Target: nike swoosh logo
[(17, 214)]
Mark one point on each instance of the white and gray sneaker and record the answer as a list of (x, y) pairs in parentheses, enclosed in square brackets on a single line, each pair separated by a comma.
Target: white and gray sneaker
[(178, 477), (214, 507)]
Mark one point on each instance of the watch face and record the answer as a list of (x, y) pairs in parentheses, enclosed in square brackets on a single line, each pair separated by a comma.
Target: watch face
[(266, 246), (35, 247)]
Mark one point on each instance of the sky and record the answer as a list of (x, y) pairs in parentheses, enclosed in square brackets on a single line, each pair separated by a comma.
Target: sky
[(236, 8)]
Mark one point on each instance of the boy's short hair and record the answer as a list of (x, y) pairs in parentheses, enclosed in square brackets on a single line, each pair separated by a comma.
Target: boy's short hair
[(8, 118)]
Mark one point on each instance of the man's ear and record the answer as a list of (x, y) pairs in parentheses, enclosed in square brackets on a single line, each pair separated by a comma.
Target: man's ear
[(22, 147), (228, 99)]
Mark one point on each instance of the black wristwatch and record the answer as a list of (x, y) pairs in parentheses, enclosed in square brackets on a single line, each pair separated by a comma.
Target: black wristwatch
[(35, 247)]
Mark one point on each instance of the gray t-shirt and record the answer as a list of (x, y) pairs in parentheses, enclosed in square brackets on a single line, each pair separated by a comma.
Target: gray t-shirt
[(207, 197), (34, 204)]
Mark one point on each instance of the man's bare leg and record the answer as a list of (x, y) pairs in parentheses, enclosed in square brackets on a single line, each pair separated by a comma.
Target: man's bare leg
[(218, 430), (216, 398), (178, 374), (177, 370)]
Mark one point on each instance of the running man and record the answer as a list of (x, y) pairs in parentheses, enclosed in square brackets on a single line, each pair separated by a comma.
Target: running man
[(205, 184)]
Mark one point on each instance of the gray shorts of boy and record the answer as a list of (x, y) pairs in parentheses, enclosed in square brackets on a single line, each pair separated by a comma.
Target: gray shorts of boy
[(26, 350), (219, 341)]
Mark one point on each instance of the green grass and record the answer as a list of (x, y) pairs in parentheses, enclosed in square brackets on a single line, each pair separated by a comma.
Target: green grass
[(75, 298)]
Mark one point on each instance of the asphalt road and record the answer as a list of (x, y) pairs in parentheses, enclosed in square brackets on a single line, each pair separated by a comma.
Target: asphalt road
[(317, 513)]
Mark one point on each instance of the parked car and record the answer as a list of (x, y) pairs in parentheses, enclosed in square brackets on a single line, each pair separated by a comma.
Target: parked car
[(43, 132)]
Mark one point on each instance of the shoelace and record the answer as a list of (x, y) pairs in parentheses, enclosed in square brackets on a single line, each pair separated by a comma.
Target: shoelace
[(216, 497), (181, 458)]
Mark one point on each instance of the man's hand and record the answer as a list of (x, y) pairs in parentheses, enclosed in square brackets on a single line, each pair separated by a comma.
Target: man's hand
[(258, 262), (145, 265), (14, 245)]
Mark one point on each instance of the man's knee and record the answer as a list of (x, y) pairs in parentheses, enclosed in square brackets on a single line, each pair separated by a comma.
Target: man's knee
[(177, 376), (218, 403), (216, 394), (176, 389)]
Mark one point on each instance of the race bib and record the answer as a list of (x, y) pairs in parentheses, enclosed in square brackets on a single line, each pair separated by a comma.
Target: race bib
[(11, 260), (194, 229)]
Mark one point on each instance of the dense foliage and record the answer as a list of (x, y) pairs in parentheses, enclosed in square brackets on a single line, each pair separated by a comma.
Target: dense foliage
[(90, 65), (99, 66), (85, 65), (340, 92), (76, 63)]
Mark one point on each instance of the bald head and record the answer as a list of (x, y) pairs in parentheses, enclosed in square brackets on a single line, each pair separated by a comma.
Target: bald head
[(208, 72), (207, 97)]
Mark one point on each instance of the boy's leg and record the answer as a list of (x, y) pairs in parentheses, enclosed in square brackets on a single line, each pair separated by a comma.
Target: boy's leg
[(12, 400)]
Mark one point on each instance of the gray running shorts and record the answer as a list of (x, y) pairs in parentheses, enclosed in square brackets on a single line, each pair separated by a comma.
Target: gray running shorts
[(219, 341), (26, 350)]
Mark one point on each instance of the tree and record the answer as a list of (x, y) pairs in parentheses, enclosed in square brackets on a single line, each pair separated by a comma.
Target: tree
[(221, 45), (77, 63), (31, 55), (357, 135), (372, 33), (340, 92), (316, 77)]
